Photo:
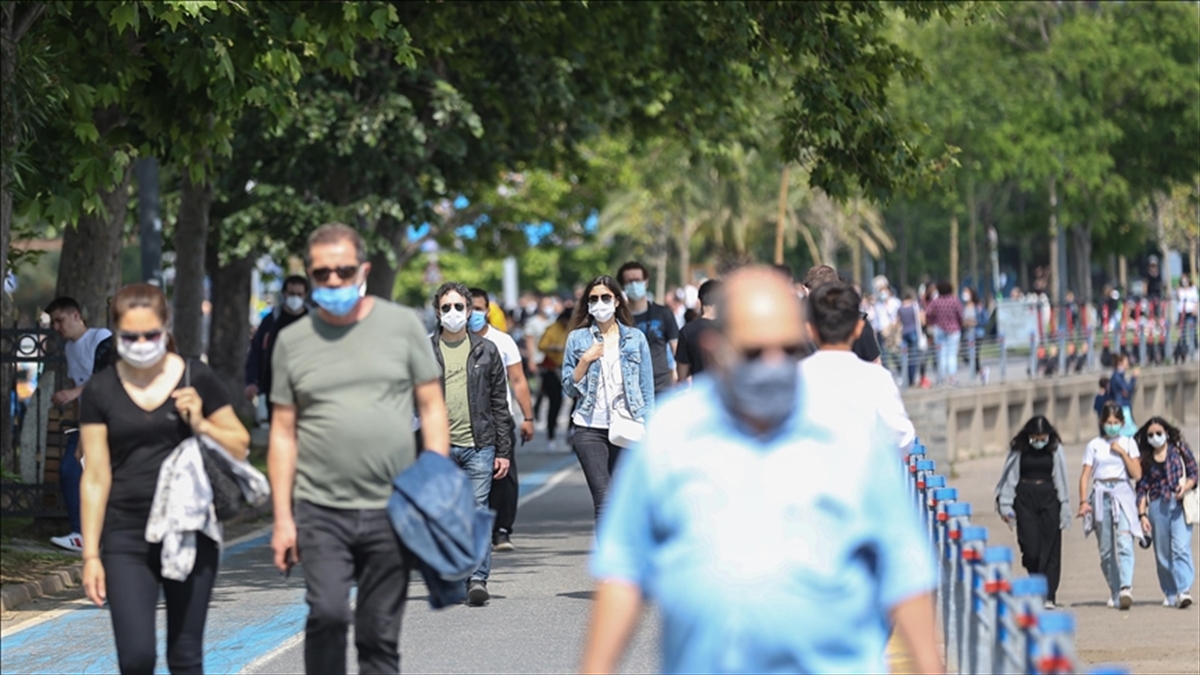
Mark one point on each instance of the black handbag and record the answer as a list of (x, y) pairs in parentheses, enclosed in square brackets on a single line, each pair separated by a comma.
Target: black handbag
[(227, 494)]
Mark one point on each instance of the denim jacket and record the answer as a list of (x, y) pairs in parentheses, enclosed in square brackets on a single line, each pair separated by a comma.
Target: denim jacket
[(433, 511), (637, 370)]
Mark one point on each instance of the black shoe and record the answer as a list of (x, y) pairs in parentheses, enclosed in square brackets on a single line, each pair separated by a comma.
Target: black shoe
[(477, 593), (501, 542)]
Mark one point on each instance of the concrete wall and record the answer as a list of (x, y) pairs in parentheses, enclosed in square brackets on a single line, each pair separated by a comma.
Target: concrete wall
[(973, 422)]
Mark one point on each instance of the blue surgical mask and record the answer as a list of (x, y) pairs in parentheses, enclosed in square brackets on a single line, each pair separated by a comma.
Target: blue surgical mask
[(478, 321), (337, 301), (635, 290), (760, 390), (1039, 444), (1112, 430)]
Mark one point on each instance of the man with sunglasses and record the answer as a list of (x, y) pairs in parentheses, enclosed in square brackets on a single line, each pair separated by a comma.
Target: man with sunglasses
[(771, 539), (346, 379), (258, 361), (476, 387)]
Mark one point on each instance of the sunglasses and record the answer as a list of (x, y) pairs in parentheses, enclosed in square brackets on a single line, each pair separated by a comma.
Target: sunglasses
[(345, 273), (149, 336), (458, 307), (756, 353), (606, 298)]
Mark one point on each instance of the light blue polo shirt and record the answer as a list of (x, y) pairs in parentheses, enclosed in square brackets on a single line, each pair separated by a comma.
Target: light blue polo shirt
[(765, 555)]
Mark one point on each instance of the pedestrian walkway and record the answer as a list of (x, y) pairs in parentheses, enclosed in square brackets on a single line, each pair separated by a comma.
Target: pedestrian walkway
[(1149, 638)]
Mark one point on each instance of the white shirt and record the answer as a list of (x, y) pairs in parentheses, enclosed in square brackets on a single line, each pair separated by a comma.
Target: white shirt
[(610, 390), (839, 385), (1106, 464), (1189, 299), (510, 354), (81, 354)]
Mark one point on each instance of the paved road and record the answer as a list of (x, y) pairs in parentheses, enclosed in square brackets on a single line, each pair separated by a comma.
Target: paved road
[(535, 622)]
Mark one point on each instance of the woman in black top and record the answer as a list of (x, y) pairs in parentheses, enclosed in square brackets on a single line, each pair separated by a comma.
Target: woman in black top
[(131, 417), (1033, 491)]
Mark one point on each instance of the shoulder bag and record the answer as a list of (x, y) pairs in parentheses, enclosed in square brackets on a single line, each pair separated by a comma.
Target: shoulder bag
[(1191, 498), (227, 494)]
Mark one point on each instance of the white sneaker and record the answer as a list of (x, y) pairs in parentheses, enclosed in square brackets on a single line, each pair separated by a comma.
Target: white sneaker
[(1112, 603), (71, 542), (1049, 605), (1126, 599), (1185, 600), (1168, 602)]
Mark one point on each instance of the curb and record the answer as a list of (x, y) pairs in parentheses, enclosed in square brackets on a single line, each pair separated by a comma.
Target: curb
[(15, 595), (18, 594)]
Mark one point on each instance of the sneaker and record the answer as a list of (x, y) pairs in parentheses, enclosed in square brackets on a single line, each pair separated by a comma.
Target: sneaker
[(1185, 600), (501, 542), (1112, 603), (71, 542), (477, 593), (1126, 599), (1049, 605)]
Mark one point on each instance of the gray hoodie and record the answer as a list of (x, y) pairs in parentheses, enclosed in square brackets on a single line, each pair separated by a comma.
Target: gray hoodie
[(1006, 489)]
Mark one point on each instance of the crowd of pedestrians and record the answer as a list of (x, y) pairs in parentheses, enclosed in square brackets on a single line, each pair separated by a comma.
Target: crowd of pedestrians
[(738, 441)]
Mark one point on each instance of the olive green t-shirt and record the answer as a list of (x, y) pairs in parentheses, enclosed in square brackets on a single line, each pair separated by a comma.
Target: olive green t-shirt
[(353, 391), (458, 403)]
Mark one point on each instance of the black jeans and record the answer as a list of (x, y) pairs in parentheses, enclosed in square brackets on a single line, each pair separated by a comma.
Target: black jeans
[(552, 390), (1037, 508), (339, 547), (505, 493), (133, 574), (598, 457)]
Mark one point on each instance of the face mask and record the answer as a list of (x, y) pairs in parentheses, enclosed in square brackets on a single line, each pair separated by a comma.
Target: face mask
[(143, 353), (338, 301), (454, 321), (1157, 440), (761, 391), (966, 298), (478, 320), (603, 311), (636, 290), (1112, 430), (548, 312), (1039, 444), (294, 303)]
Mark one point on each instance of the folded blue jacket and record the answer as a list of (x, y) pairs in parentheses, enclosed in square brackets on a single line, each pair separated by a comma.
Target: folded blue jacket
[(433, 511)]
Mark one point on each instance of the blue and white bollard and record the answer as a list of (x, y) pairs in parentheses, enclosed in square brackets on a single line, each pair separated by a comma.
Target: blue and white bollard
[(935, 492), (972, 541), (992, 580), (916, 454), (1018, 625), (1054, 649), (925, 469), (958, 518)]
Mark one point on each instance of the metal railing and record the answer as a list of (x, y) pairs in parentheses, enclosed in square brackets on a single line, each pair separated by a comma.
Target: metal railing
[(992, 621)]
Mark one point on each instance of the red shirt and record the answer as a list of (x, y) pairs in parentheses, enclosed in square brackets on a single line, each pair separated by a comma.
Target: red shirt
[(945, 312)]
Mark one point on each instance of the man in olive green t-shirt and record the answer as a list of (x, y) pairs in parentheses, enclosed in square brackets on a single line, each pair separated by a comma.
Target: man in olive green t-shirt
[(345, 379)]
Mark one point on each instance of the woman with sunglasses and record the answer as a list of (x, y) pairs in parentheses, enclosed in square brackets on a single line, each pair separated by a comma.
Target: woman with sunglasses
[(132, 416), (607, 368), (1168, 473)]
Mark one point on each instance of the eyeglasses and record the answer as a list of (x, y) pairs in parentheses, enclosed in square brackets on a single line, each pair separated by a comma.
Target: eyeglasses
[(458, 307), (756, 353), (605, 298), (149, 336), (345, 273)]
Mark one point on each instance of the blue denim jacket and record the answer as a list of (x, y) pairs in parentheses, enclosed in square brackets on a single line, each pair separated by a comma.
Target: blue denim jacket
[(433, 512), (636, 370)]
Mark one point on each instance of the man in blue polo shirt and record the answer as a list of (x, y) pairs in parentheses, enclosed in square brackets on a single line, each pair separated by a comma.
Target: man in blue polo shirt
[(770, 539)]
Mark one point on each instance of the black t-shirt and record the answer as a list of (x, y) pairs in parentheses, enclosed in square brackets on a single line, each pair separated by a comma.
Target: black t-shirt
[(1037, 464), (689, 352), (866, 347), (139, 441), (658, 323)]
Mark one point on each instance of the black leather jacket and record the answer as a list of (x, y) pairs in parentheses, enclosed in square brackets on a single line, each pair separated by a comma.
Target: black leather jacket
[(487, 394)]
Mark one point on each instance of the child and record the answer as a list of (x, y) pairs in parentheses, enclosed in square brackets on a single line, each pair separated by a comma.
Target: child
[(1102, 397)]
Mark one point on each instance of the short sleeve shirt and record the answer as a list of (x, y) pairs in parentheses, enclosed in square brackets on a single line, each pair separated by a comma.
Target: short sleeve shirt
[(510, 354), (1106, 464), (353, 391), (140, 440), (689, 352), (81, 354), (660, 327)]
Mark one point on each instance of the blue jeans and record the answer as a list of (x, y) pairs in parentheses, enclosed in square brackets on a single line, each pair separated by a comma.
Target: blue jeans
[(70, 471), (1172, 546), (912, 341), (479, 465), (1117, 565), (947, 352)]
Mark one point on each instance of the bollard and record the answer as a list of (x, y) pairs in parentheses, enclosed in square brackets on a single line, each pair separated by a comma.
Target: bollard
[(1003, 359), (958, 517), (925, 469), (916, 454), (972, 541), (1054, 649), (972, 357), (993, 579), (1020, 624), (935, 489), (1109, 670)]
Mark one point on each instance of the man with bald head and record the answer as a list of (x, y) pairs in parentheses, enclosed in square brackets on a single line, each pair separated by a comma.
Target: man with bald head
[(772, 540)]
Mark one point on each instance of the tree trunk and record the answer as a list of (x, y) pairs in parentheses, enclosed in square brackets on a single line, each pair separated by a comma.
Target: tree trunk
[(1052, 282), (954, 252), (782, 215), (684, 244), (856, 264), (90, 267), (1082, 245), (230, 334), (829, 244), (191, 240), (903, 250), (973, 235)]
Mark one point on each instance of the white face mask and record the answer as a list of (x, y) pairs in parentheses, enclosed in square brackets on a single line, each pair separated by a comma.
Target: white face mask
[(602, 311), (143, 353), (294, 303), (1157, 440), (454, 321)]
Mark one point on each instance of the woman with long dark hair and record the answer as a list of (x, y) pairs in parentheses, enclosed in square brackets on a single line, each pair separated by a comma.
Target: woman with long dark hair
[(1033, 491), (132, 417), (1168, 473), (607, 368)]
